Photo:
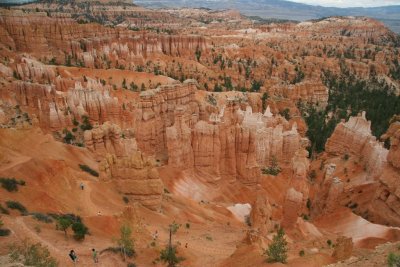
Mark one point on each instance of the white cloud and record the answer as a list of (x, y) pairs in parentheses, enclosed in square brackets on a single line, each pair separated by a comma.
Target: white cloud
[(347, 3)]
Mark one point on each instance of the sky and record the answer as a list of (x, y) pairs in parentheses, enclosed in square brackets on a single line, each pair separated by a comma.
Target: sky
[(349, 3)]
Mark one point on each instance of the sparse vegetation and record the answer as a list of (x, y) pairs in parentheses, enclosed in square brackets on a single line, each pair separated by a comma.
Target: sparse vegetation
[(277, 250), (80, 230), (4, 210), (15, 205), (329, 242), (174, 227), (89, 170), (11, 184), (125, 242), (32, 255), (169, 256), (3, 232), (274, 169), (393, 260), (125, 199), (42, 217), (63, 223), (301, 253)]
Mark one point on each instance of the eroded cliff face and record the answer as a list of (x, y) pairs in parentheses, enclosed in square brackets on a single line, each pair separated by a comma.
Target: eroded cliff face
[(136, 176), (91, 45), (369, 186), (386, 204), (355, 138)]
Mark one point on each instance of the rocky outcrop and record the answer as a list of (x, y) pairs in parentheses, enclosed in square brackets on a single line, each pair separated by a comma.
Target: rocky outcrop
[(261, 214), (343, 248), (136, 177), (355, 138), (329, 191), (92, 45), (108, 139), (180, 152), (156, 112), (385, 208), (292, 208)]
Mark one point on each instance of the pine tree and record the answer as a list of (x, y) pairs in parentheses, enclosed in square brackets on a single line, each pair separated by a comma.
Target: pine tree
[(277, 250)]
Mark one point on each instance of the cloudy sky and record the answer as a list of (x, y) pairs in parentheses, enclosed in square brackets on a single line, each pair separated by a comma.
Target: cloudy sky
[(350, 3)]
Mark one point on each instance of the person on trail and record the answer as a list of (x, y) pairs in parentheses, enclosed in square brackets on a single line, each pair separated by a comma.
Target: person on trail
[(82, 186), (73, 256), (94, 255)]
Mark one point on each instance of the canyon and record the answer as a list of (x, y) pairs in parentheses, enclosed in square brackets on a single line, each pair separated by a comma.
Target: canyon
[(204, 119)]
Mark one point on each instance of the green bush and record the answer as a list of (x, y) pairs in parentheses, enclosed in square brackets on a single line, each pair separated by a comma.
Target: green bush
[(4, 232), (11, 184), (274, 169), (125, 199), (277, 250), (169, 255), (3, 210), (42, 217), (87, 169), (15, 205), (131, 264), (393, 260), (80, 230), (32, 255), (301, 253)]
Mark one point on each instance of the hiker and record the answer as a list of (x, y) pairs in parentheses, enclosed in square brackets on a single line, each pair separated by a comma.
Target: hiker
[(94, 255), (73, 256), (82, 186)]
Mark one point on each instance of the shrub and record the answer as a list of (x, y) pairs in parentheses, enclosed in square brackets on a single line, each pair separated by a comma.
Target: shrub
[(329, 242), (32, 255), (274, 169), (80, 230), (125, 241), (125, 199), (301, 253), (3, 210), (63, 224), (4, 232), (277, 250), (11, 184), (15, 205), (346, 157), (187, 225), (86, 124), (174, 227), (89, 170), (169, 255), (41, 217), (131, 264), (309, 204), (393, 260), (247, 220)]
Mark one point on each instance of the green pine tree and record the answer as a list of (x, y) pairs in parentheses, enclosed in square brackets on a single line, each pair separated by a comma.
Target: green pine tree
[(277, 250)]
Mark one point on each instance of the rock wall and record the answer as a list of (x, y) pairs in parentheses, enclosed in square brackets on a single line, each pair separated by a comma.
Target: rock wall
[(156, 112), (135, 176), (385, 208), (354, 137), (92, 44)]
